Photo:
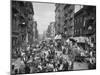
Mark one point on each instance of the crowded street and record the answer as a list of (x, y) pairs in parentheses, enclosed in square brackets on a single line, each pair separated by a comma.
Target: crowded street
[(52, 56)]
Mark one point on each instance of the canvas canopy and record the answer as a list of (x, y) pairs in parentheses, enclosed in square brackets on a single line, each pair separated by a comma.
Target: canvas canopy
[(58, 37), (80, 39)]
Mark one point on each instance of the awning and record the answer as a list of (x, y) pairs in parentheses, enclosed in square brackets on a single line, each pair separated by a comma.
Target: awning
[(58, 37), (80, 39)]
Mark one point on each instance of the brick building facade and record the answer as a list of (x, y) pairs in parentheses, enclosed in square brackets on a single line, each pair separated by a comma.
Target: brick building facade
[(22, 22), (64, 19), (85, 22)]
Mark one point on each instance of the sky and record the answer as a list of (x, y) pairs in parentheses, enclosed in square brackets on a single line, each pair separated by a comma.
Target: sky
[(44, 13)]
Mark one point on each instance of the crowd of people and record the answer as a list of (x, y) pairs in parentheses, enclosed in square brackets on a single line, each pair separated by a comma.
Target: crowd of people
[(50, 56)]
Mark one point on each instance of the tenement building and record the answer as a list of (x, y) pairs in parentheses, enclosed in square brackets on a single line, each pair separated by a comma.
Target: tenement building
[(50, 33), (22, 17), (59, 18), (69, 20), (64, 19), (85, 22)]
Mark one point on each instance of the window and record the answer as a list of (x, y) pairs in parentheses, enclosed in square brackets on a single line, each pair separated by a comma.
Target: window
[(75, 21), (58, 10), (75, 31), (65, 21), (14, 10), (71, 10), (81, 20), (80, 31), (90, 28), (21, 3), (66, 15), (58, 17), (70, 19), (59, 25)]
